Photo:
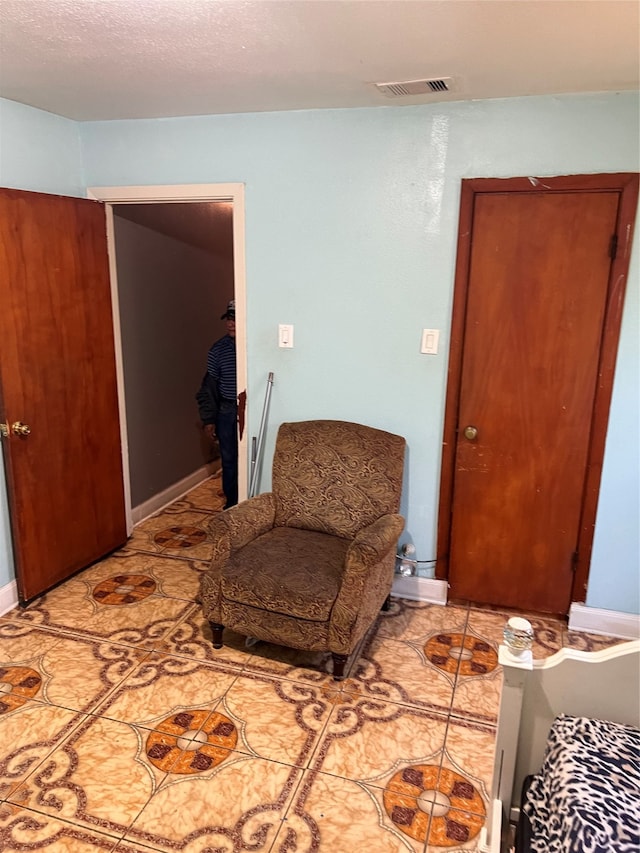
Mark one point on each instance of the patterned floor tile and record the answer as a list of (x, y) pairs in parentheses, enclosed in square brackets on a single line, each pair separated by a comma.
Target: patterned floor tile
[(100, 778), (402, 673), (454, 831), (22, 642), (162, 687), (370, 741), (181, 533), (122, 609), (173, 577), (294, 664), (276, 719), (413, 620), (75, 672), (207, 496), (29, 732), (342, 816), (22, 829), (469, 751), (237, 804), (479, 678), (191, 637), (584, 642), (490, 625)]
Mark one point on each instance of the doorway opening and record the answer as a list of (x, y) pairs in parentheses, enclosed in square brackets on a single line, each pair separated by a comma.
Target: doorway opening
[(192, 239)]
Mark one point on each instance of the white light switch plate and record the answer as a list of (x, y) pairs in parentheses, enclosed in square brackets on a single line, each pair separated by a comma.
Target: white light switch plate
[(429, 343), (285, 336)]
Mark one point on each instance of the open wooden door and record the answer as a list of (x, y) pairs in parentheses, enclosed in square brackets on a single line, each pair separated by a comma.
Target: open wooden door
[(58, 393), (538, 302)]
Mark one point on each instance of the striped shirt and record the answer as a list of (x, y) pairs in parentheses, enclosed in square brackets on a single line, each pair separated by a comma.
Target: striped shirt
[(221, 365)]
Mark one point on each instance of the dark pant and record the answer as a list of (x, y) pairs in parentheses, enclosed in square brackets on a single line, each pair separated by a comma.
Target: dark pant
[(227, 433)]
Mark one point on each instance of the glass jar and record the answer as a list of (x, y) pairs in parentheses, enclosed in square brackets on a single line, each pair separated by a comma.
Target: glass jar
[(518, 635)]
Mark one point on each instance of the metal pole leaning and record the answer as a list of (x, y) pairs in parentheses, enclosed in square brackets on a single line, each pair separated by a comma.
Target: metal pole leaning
[(257, 450)]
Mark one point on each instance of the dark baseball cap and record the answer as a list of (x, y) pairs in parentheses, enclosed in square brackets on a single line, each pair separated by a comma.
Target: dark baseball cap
[(230, 313)]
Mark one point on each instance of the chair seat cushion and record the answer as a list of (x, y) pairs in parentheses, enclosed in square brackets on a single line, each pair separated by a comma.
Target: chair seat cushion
[(287, 570)]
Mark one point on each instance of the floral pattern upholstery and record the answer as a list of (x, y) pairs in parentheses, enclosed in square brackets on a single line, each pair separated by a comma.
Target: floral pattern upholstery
[(309, 564)]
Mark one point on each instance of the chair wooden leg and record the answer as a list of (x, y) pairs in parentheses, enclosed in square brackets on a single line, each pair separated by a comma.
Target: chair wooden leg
[(339, 662), (216, 634), (387, 604)]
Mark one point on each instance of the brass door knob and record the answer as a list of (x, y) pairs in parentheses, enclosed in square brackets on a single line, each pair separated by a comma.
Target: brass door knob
[(471, 433), (18, 428)]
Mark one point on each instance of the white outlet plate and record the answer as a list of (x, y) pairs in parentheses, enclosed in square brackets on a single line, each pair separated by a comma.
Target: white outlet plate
[(429, 342)]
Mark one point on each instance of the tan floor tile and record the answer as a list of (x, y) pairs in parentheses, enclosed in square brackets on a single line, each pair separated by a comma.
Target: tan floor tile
[(144, 624), (207, 496), (479, 679), (66, 607), (79, 671), (22, 642), (28, 734), (191, 637), (401, 673), (100, 777), (371, 741), (414, 620), (490, 625), (181, 533), (243, 797), (132, 847), (589, 642), (455, 831), (339, 815), (22, 829), (424, 803), (121, 608), (174, 577), (294, 664), (469, 751), (163, 686), (276, 719)]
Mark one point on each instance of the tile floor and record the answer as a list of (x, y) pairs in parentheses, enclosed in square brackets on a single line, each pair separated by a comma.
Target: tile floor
[(122, 730)]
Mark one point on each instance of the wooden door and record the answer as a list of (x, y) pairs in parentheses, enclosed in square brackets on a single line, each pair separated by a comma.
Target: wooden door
[(58, 378), (537, 306)]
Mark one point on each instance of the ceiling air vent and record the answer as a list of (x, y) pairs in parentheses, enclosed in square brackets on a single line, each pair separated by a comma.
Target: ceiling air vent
[(416, 87)]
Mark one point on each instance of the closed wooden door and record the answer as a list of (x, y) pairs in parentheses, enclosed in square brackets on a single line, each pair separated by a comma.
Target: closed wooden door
[(537, 298), (59, 404)]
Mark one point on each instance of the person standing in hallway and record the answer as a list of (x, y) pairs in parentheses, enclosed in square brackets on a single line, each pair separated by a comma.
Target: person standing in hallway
[(218, 404)]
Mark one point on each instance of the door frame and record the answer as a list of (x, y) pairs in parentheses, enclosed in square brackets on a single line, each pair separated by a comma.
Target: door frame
[(179, 193), (627, 185)]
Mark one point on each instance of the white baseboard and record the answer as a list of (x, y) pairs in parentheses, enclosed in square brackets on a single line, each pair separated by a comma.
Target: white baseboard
[(177, 490), (612, 623), (420, 589), (8, 597)]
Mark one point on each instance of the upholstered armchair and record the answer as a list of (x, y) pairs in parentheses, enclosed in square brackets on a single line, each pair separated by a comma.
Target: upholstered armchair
[(310, 564)]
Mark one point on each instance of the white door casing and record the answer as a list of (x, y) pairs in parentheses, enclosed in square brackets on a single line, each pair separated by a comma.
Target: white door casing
[(179, 193)]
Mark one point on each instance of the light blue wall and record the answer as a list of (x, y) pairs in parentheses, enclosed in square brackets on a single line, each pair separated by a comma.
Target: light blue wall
[(38, 151), (351, 227)]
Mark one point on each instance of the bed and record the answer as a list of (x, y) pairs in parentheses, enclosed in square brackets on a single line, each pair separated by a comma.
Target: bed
[(566, 769)]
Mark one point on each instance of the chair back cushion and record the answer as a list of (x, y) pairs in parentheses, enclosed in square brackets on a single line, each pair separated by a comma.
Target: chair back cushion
[(334, 476)]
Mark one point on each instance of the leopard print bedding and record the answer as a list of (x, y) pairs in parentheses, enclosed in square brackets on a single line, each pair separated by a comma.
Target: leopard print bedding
[(586, 798)]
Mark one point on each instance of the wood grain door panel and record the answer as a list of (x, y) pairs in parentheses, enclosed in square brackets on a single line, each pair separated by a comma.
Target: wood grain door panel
[(536, 301), (58, 375)]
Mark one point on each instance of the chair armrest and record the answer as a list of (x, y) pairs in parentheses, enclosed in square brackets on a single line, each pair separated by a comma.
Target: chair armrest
[(373, 542), (235, 527), (366, 571)]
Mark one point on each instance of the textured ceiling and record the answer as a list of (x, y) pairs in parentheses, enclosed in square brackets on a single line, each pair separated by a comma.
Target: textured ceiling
[(109, 59)]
